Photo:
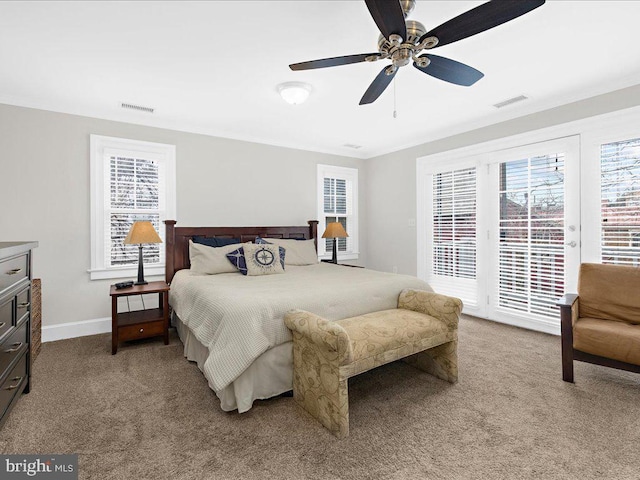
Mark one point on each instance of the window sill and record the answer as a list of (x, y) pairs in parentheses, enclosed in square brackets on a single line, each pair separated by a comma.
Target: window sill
[(125, 272)]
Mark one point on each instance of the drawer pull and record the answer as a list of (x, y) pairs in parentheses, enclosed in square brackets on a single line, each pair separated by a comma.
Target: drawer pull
[(14, 271), (17, 380), (141, 330), (2, 324), (23, 305), (15, 348)]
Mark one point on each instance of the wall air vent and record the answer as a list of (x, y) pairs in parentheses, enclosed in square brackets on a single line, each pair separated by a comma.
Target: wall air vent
[(351, 145), (511, 101), (139, 108)]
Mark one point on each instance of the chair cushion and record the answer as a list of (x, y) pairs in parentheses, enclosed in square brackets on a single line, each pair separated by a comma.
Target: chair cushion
[(381, 332), (609, 292), (616, 340)]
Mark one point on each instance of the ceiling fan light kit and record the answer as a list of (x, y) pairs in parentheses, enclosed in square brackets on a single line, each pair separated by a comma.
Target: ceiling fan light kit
[(402, 41), (294, 93)]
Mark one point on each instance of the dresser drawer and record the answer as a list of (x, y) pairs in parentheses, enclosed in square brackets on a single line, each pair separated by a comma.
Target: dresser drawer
[(23, 304), (13, 270), (13, 347), (6, 315), (13, 383), (142, 330)]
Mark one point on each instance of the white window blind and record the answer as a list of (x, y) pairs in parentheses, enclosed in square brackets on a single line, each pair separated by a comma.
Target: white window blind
[(335, 204), (130, 181), (135, 194), (531, 243), (453, 230), (620, 202), (337, 189)]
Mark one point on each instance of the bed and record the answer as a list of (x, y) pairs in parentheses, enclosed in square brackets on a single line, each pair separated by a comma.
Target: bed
[(232, 325)]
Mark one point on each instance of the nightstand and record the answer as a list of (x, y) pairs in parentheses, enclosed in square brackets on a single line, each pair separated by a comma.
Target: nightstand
[(152, 322)]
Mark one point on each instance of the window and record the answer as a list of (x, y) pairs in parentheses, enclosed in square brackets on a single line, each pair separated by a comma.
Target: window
[(620, 202), (338, 202), (130, 181)]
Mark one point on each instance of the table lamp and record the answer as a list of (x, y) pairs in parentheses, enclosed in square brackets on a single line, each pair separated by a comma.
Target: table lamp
[(335, 230), (141, 232)]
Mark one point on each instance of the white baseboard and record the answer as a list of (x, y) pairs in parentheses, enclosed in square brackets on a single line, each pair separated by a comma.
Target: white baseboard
[(62, 331), (51, 333)]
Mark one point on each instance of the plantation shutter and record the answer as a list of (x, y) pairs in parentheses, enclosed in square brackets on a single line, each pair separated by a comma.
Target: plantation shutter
[(453, 231), (337, 200), (620, 202), (134, 189), (531, 244)]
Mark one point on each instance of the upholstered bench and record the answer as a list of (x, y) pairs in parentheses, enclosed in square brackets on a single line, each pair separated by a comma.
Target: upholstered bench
[(423, 331)]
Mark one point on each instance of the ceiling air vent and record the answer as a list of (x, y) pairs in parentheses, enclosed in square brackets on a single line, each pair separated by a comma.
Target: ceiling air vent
[(351, 145), (139, 108), (511, 101)]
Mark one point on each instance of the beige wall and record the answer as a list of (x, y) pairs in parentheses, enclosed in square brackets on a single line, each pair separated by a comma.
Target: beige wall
[(44, 193), (44, 190), (391, 178)]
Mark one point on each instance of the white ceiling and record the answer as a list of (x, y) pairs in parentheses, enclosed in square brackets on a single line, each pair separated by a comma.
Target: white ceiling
[(213, 67)]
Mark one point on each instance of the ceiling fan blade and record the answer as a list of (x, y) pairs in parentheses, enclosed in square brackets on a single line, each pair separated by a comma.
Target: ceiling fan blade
[(481, 18), (379, 84), (450, 70), (388, 16), (333, 61)]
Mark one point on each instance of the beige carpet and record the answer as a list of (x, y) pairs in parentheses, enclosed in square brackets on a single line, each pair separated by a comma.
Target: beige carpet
[(148, 413)]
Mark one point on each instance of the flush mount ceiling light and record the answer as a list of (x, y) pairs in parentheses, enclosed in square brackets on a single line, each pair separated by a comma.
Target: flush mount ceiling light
[(294, 93)]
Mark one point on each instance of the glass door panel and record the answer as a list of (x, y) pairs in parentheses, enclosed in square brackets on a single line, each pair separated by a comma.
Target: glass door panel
[(536, 237), (451, 228)]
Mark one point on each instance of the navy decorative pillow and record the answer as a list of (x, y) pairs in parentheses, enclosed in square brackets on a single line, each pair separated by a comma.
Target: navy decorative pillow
[(215, 242), (237, 259), (262, 259), (283, 251)]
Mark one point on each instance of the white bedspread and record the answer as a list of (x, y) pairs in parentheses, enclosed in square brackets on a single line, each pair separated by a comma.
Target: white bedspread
[(239, 317)]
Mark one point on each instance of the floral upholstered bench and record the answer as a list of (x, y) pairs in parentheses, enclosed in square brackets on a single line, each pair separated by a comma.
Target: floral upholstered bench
[(423, 331)]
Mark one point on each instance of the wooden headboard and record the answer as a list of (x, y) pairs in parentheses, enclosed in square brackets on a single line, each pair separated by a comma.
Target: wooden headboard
[(177, 239)]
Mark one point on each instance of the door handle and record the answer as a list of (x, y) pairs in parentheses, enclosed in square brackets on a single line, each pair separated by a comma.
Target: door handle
[(572, 244)]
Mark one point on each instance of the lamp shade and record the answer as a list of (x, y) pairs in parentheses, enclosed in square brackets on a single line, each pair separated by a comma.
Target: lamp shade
[(142, 232), (335, 230)]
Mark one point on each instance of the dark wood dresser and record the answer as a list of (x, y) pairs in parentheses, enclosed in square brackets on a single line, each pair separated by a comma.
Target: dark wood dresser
[(15, 323)]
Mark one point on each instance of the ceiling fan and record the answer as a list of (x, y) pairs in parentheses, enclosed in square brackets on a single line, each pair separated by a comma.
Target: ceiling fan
[(402, 41)]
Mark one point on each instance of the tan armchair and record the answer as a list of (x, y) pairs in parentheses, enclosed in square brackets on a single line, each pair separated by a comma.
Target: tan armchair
[(601, 324)]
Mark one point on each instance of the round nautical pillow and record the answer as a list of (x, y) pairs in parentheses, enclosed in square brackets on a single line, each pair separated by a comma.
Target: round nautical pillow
[(262, 259)]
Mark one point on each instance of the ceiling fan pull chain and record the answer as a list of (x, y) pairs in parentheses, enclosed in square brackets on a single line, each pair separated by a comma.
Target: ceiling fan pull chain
[(395, 113)]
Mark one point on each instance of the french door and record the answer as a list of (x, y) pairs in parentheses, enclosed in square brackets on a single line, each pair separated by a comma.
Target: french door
[(503, 231), (533, 236)]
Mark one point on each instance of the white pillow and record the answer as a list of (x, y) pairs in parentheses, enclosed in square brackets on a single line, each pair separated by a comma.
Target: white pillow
[(299, 252), (211, 260), (262, 259)]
